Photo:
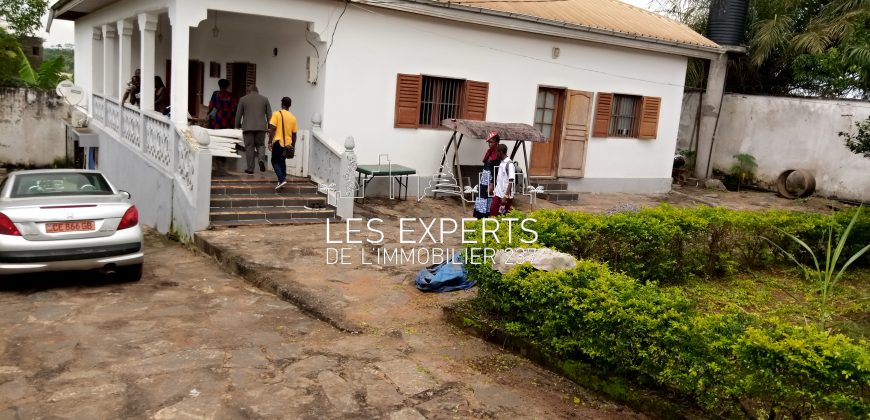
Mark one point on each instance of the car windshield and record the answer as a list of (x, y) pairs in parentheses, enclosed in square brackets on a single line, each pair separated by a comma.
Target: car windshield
[(59, 184)]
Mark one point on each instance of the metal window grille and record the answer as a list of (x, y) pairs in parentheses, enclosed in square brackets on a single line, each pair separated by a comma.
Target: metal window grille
[(624, 116), (441, 98)]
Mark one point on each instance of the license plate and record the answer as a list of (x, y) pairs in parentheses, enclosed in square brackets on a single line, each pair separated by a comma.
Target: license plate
[(81, 226)]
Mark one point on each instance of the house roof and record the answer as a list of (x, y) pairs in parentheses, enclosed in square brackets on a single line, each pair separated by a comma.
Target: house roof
[(602, 14), (506, 131)]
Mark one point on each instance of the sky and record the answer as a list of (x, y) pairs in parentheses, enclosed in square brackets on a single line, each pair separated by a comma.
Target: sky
[(62, 30)]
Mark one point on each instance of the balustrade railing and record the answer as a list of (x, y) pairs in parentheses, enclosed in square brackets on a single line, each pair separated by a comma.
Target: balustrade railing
[(176, 152), (157, 139), (99, 104), (131, 126), (113, 115), (334, 168)]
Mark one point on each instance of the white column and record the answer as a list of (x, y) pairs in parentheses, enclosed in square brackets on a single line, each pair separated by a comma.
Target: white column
[(97, 61), (148, 26), (180, 54), (110, 62), (125, 54)]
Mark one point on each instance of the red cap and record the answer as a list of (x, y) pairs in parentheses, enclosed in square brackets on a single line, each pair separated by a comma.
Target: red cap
[(491, 135)]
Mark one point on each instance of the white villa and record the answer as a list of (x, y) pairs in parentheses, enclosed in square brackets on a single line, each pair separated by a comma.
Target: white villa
[(602, 79)]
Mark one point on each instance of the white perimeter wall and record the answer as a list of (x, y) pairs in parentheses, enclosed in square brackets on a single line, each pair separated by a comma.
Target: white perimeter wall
[(790, 133), (371, 47)]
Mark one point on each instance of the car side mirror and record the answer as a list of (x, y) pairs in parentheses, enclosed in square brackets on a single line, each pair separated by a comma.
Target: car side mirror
[(125, 194)]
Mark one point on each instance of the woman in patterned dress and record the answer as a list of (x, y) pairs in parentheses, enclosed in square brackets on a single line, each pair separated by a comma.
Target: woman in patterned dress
[(490, 160)]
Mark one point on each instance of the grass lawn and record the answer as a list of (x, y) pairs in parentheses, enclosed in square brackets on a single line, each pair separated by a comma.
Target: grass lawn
[(783, 293)]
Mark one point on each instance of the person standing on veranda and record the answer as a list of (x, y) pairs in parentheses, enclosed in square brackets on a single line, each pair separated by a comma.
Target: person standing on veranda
[(252, 116), (282, 135)]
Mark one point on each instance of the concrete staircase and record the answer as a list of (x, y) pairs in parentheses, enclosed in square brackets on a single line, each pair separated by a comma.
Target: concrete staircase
[(555, 191), (246, 200)]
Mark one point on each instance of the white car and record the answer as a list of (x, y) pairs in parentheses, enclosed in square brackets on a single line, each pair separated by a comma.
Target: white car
[(62, 219)]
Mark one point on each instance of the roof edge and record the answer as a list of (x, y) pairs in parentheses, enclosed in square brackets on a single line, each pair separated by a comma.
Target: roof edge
[(523, 23)]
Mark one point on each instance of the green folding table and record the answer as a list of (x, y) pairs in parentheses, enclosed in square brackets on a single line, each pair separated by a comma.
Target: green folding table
[(398, 173)]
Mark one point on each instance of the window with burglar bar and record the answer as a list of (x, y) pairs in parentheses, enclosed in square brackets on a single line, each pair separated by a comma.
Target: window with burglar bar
[(624, 116), (440, 98)]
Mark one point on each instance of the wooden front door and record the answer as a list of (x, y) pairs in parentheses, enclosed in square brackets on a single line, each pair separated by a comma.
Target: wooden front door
[(548, 119), (575, 134)]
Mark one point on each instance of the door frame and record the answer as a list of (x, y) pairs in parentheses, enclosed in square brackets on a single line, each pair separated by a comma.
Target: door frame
[(558, 123)]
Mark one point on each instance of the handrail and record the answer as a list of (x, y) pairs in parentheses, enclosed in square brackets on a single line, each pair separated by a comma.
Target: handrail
[(326, 141)]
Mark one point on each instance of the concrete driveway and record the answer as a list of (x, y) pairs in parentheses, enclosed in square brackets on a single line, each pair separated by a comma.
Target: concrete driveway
[(190, 342)]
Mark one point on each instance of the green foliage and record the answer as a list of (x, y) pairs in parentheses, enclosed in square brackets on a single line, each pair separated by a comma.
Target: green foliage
[(859, 143), (23, 17), (9, 62), (49, 74), (795, 47), (671, 245), (744, 169), (64, 51), (827, 276), (731, 362)]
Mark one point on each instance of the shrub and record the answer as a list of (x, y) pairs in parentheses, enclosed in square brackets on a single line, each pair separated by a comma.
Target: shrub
[(730, 363), (667, 244)]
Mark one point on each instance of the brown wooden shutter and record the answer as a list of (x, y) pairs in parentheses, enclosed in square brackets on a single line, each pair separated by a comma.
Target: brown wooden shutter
[(649, 118), (474, 100), (601, 122), (408, 90), (250, 75), (230, 73)]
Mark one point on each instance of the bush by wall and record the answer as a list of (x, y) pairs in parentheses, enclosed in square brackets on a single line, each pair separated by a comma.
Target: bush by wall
[(730, 363), (669, 245)]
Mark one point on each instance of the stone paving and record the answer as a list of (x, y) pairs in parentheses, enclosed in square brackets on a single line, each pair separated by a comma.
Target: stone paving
[(191, 342)]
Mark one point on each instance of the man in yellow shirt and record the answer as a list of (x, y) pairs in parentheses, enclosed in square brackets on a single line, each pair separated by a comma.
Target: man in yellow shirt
[(282, 132)]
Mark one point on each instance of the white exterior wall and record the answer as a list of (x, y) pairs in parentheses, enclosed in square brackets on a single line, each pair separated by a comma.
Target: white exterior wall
[(794, 133), (249, 38), (371, 48)]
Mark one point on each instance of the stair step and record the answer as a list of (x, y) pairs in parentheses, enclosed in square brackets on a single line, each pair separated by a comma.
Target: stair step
[(276, 222), (260, 182), (287, 190), (550, 185), (270, 213), (272, 200), (560, 196), (255, 179)]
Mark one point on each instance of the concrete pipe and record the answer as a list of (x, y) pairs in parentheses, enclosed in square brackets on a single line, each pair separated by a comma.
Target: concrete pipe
[(795, 183)]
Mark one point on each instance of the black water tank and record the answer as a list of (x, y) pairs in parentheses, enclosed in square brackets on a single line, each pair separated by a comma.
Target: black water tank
[(727, 23)]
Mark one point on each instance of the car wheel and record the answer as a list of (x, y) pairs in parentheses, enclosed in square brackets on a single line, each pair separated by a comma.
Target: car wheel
[(131, 272)]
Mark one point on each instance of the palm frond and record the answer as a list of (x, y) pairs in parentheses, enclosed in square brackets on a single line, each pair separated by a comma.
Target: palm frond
[(858, 55), (769, 35)]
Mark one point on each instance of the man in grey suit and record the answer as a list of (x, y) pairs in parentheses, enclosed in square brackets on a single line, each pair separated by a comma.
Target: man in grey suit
[(252, 116)]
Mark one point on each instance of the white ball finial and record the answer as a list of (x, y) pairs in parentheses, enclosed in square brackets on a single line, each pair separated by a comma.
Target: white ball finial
[(349, 143), (316, 119)]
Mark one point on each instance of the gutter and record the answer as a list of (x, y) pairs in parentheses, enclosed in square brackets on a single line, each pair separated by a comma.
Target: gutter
[(458, 12)]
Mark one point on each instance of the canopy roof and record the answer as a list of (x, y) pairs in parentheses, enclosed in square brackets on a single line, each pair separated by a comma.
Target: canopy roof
[(506, 131)]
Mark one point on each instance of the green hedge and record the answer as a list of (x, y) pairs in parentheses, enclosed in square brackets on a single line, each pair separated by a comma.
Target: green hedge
[(730, 363), (668, 244)]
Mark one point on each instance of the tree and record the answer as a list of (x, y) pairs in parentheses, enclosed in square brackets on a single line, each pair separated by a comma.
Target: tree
[(23, 17), (794, 47), (859, 143)]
